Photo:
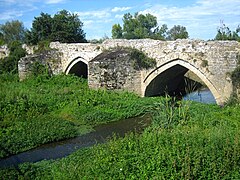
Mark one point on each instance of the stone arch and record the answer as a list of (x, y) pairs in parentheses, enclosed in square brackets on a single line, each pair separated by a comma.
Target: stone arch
[(179, 63), (78, 66)]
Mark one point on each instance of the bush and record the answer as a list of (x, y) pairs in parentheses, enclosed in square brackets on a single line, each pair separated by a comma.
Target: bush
[(141, 61), (10, 64), (235, 76), (43, 46)]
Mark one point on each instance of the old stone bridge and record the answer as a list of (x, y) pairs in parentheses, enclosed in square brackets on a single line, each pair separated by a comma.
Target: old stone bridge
[(208, 62)]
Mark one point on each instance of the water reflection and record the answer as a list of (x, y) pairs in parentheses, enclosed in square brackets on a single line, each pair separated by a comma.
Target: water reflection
[(203, 95), (63, 148)]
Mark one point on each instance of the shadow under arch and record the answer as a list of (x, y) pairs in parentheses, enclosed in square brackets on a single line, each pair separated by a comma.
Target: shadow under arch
[(78, 67), (169, 75)]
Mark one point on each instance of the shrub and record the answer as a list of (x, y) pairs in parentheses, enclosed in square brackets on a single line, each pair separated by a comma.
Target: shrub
[(141, 61), (43, 46), (204, 63), (10, 63)]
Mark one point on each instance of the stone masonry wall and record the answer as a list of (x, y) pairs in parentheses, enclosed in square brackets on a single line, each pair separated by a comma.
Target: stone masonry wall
[(114, 70), (215, 60), (4, 51), (212, 60), (52, 59)]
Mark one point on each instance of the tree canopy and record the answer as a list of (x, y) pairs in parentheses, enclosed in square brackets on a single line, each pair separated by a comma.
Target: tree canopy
[(139, 26), (177, 32), (12, 31), (224, 33), (117, 32), (64, 27)]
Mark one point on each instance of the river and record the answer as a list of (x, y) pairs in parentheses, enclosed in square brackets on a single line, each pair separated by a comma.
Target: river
[(202, 95), (101, 134), (63, 148)]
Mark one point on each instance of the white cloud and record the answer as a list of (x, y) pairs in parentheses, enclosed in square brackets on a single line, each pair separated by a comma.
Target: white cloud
[(8, 2), (27, 3), (119, 16), (8, 15), (120, 9), (88, 23), (54, 1), (94, 14), (200, 17)]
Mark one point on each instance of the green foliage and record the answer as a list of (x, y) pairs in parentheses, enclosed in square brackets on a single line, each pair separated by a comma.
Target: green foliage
[(43, 109), (207, 147), (235, 76), (28, 133), (38, 69), (224, 33), (142, 26), (233, 99), (204, 63), (63, 27), (160, 33), (135, 27), (43, 46), (177, 32), (10, 63), (170, 113), (117, 32), (141, 61), (2, 42), (12, 31)]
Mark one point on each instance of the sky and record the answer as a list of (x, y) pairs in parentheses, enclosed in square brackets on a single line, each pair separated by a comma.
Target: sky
[(200, 17)]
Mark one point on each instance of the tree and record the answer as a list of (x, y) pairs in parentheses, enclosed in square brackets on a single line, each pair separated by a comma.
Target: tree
[(135, 27), (41, 29), (238, 29), (142, 26), (117, 32), (224, 33), (12, 31), (67, 28), (177, 32), (129, 24), (160, 33), (63, 26)]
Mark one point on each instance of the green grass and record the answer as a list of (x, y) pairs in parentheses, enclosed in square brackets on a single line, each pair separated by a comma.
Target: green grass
[(187, 140), (207, 147), (41, 109)]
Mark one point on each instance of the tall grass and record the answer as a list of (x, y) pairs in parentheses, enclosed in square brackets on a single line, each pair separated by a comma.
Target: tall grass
[(43, 109), (170, 112), (187, 140), (207, 147)]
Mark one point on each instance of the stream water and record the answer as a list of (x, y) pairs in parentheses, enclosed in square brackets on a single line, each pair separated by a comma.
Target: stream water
[(101, 134), (63, 148), (203, 95)]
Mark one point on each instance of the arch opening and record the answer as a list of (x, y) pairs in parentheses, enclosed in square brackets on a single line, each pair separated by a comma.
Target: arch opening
[(78, 68), (177, 78)]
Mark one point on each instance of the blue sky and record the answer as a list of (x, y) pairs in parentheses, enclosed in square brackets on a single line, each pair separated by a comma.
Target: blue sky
[(200, 17)]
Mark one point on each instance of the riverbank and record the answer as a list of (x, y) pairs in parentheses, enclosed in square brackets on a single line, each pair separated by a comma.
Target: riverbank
[(206, 146), (42, 110), (187, 140), (101, 134)]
